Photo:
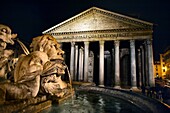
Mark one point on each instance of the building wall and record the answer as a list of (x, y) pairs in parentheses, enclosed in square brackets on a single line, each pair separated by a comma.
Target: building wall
[(110, 31), (162, 67), (157, 69), (166, 56)]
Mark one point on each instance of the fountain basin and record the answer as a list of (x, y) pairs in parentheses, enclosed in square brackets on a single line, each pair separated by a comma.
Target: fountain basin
[(92, 99)]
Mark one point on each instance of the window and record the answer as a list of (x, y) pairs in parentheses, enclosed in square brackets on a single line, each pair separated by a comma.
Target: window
[(163, 65), (163, 70)]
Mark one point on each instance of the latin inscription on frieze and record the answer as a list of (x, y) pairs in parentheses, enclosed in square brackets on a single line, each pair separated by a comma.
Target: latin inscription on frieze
[(96, 36)]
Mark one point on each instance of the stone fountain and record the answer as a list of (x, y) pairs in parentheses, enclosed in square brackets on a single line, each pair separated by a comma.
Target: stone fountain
[(31, 81)]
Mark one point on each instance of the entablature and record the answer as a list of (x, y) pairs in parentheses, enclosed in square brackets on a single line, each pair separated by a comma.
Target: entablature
[(105, 35)]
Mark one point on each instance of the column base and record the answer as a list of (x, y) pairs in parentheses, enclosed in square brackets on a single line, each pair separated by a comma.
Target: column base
[(117, 87), (134, 88)]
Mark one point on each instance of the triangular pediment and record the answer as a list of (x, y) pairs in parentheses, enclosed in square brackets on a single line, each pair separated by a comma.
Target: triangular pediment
[(98, 19)]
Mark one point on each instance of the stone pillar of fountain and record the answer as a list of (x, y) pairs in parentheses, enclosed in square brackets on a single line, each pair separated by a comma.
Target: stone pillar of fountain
[(76, 62), (117, 64), (133, 65), (150, 63), (72, 60), (86, 57), (81, 59), (101, 64)]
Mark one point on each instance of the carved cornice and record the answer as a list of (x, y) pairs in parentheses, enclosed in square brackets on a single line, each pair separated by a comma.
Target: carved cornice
[(103, 31), (104, 36)]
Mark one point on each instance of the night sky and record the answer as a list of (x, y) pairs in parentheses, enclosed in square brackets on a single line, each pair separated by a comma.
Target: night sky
[(29, 18)]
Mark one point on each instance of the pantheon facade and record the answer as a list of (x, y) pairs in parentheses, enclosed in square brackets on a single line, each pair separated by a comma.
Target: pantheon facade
[(107, 48)]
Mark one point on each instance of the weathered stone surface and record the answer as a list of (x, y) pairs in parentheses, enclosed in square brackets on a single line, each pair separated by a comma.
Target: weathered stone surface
[(18, 105), (33, 105)]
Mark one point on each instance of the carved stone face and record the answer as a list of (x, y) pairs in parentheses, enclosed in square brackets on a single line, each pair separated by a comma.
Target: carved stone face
[(54, 52), (49, 45), (5, 34)]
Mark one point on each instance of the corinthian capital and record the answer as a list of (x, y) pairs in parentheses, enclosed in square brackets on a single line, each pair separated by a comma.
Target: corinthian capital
[(86, 43), (149, 41), (101, 42), (132, 43), (72, 43), (116, 42)]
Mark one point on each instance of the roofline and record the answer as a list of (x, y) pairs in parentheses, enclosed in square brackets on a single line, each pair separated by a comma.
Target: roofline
[(67, 20), (92, 8), (149, 23)]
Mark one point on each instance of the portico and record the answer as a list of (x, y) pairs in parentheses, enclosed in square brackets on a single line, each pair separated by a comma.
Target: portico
[(121, 36)]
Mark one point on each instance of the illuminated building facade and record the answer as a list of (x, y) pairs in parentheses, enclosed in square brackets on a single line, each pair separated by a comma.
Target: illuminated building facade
[(107, 48), (160, 68), (166, 58)]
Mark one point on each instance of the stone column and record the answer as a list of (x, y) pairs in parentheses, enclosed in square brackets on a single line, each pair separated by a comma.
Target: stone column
[(139, 68), (72, 60), (107, 74), (113, 65), (133, 64), (86, 57), (143, 66), (101, 64), (146, 65), (150, 63), (91, 66), (81, 59), (117, 64), (76, 62)]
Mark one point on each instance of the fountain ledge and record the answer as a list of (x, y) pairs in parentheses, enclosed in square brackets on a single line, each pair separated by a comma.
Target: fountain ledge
[(32, 105), (149, 105)]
